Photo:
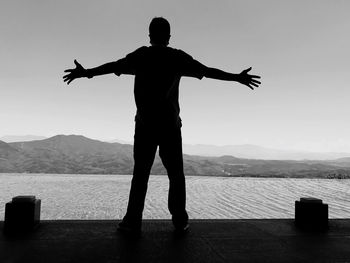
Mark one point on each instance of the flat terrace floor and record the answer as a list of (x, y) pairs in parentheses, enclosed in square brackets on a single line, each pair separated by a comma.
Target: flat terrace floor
[(252, 240)]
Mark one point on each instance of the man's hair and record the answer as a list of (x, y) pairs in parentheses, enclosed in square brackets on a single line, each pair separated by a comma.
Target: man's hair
[(159, 30)]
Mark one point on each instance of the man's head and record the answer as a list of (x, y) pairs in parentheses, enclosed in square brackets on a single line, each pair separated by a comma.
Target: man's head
[(159, 31)]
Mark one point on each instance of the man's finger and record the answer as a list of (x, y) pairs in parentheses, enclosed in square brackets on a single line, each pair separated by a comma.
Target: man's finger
[(65, 76), (76, 63), (255, 81), (69, 70), (247, 70), (250, 86), (255, 76), (69, 81)]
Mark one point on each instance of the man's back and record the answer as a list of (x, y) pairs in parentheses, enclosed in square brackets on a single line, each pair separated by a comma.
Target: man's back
[(157, 73)]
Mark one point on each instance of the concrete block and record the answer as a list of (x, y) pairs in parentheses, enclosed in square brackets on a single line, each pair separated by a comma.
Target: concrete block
[(311, 213), (22, 214)]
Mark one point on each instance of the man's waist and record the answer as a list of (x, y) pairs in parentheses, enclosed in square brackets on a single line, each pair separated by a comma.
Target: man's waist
[(158, 119)]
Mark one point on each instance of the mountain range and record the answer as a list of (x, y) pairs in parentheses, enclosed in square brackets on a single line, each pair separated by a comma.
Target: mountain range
[(76, 154), (250, 151), (247, 151)]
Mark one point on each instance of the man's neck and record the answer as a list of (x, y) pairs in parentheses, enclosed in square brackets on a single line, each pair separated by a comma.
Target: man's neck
[(157, 45)]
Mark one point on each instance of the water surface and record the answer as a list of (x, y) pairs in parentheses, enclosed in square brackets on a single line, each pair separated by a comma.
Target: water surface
[(105, 196)]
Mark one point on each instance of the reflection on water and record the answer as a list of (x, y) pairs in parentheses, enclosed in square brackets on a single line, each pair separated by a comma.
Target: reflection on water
[(105, 196)]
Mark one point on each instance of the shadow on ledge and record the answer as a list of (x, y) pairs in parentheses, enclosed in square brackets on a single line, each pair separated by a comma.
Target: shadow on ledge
[(251, 240)]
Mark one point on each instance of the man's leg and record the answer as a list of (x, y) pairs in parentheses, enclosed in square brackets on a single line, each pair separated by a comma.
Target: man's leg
[(145, 148), (170, 151)]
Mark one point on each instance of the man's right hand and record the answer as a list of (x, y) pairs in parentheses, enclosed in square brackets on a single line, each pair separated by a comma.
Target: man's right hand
[(78, 72), (248, 80)]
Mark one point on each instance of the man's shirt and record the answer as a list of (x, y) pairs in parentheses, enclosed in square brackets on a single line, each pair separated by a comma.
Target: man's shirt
[(158, 71)]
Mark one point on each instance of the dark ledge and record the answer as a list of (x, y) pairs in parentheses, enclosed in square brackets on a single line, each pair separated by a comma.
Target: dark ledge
[(251, 240)]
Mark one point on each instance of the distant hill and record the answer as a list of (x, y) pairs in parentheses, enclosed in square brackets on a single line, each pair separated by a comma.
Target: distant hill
[(257, 152), (120, 141), (344, 159), (76, 154), (21, 138)]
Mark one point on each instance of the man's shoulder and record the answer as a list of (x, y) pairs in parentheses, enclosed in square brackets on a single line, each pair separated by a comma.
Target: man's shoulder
[(137, 54), (140, 50), (180, 53), (176, 50)]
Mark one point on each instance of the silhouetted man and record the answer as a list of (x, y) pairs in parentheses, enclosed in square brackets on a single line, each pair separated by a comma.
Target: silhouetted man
[(158, 70)]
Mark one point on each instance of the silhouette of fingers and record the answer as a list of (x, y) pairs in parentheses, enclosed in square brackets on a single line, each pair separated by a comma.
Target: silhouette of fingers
[(69, 70), (67, 78), (254, 84)]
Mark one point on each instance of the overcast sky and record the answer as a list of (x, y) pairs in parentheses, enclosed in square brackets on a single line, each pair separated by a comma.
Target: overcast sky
[(300, 48)]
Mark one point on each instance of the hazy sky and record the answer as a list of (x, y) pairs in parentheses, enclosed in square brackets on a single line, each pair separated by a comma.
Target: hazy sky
[(300, 48)]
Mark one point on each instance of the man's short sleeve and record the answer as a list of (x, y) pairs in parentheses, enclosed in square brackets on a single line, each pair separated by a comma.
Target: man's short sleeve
[(190, 67), (129, 63)]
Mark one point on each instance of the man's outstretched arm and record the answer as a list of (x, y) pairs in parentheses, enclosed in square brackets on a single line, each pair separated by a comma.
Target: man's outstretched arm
[(243, 77), (80, 72)]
